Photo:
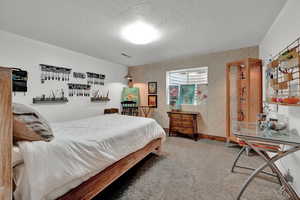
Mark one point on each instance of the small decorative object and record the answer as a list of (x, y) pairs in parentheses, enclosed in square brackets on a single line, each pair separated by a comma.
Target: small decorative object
[(273, 64), (19, 79), (152, 100), (288, 76), (50, 72), (283, 85), (152, 87), (291, 100), (288, 54)]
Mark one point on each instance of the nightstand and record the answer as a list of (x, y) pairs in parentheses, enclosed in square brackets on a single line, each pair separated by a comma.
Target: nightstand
[(184, 123)]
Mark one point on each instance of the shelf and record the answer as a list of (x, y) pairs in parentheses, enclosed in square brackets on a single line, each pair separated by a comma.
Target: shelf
[(283, 104), (39, 100), (100, 99)]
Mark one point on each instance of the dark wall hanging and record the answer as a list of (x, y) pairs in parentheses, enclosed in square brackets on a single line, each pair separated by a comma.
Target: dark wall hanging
[(79, 75), (152, 87), (19, 79), (152, 101), (94, 78), (79, 89), (50, 72), (52, 99), (100, 98)]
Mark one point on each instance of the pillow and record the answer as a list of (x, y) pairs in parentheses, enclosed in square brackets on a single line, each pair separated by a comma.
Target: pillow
[(29, 125)]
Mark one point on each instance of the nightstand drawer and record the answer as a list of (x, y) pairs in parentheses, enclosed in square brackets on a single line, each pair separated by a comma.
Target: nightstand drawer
[(176, 128), (187, 117), (175, 116), (187, 124)]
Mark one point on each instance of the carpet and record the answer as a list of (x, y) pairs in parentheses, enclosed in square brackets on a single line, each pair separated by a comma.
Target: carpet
[(190, 170)]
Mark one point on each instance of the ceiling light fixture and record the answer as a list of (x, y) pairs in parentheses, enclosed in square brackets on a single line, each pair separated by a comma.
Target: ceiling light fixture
[(140, 33)]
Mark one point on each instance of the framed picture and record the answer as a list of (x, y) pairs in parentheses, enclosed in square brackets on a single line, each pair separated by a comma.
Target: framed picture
[(173, 94), (152, 100), (187, 94), (152, 87)]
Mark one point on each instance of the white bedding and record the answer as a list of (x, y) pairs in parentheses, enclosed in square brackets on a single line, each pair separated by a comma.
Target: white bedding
[(80, 150)]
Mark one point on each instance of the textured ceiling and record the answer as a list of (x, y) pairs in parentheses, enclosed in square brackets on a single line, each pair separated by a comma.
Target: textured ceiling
[(187, 26)]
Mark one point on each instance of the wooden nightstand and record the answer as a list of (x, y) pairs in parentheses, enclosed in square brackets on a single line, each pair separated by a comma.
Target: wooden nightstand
[(184, 123)]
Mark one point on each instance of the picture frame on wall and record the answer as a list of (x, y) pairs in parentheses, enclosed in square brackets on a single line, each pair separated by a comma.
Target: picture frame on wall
[(152, 87), (152, 101)]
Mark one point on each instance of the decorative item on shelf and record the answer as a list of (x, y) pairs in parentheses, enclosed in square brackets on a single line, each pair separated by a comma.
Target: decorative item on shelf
[(50, 72), (19, 80), (79, 75), (273, 64), (98, 97), (291, 100), (283, 85), (79, 90), (241, 116), (243, 77), (288, 54), (152, 101), (152, 87), (273, 82), (95, 79), (52, 99)]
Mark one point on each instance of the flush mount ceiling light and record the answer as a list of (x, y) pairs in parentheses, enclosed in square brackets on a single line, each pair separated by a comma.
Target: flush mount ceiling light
[(140, 33)]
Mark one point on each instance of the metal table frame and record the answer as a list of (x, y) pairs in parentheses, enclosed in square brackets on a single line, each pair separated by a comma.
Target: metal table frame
[(269, 162)]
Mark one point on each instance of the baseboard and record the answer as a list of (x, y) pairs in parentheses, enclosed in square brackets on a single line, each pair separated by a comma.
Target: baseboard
[(206, 136), (213, 137)]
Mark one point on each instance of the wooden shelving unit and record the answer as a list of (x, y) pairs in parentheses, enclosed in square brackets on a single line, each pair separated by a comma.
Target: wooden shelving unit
[(243, 92)]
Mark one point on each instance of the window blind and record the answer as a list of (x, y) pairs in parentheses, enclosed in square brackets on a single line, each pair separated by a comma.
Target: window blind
[(194, 76)]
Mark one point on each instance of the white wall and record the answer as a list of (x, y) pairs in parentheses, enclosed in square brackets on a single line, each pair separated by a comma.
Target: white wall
[(284, 30), (17, 51)]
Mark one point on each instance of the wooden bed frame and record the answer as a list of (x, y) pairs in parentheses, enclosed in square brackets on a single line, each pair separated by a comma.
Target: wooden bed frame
[(86, 190)]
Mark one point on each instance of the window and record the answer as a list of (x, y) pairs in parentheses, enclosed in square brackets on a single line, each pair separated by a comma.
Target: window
[(187, 86)]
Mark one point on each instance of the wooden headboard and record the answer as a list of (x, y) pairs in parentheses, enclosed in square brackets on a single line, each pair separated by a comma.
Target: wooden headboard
[(6, 134)]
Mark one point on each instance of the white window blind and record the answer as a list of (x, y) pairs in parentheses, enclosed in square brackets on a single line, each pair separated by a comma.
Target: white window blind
[(196, 77)]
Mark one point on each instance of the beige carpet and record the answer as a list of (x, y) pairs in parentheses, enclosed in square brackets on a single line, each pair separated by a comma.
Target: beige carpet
[(191, 170)]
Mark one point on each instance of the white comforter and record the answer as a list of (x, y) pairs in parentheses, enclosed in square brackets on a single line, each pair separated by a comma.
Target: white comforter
[(80, 150)]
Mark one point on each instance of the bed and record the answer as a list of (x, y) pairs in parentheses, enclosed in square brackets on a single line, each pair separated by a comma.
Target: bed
[(84, 158)]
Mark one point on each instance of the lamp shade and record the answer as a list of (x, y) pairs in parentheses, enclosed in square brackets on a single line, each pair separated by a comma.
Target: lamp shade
[(128, 76)]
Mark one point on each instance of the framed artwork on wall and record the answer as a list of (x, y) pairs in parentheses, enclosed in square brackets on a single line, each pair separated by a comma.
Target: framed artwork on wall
[(187, 94), (152, 87), (152, 100)]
